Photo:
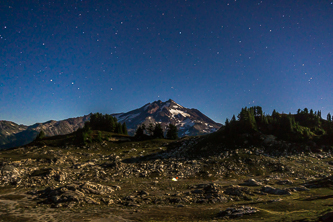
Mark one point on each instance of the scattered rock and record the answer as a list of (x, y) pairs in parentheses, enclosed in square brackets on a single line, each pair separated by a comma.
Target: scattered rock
[(76, 192), (251, 182), (237, 212), (10, 175), (284, 182), (276, 191), (82, 165), (235, 190)]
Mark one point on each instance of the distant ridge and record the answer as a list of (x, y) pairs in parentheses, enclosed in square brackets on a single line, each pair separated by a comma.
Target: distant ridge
[(12, 134), (189, 122)]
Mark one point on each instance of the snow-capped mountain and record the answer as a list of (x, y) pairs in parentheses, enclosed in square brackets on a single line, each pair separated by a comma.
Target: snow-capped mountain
[(188, 121)]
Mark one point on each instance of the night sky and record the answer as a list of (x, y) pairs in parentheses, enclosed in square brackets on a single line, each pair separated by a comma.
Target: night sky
[(63, 59)]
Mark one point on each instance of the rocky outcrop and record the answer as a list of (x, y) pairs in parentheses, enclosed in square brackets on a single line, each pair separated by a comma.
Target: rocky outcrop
[(251, 182), (10, 175), (74, 194), (276, 191), (233, 212)]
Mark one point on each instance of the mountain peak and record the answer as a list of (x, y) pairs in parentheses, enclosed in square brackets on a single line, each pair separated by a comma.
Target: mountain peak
[(188, 121)]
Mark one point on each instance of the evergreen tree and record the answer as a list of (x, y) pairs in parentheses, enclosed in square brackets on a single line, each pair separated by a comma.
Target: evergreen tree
[(139, 132), (144, 128), (124, 128), (41, 135), (172, 132), (329, 117), (150, 129), (119, 128), (306, 111), (226, 123), (99, 137), (247, 120), (158, 131), (265, 120), (275, 115)]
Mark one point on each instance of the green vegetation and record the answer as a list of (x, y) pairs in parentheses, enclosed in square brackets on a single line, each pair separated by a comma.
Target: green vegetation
[(301, 127), (153, 132), (40, 136), (150, 132), (106, 123), (172, 132), (99, 122)]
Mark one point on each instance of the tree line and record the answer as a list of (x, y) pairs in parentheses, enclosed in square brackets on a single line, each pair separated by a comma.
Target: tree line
[(302, 126), (107, 123), (143, 132), (99, 122)]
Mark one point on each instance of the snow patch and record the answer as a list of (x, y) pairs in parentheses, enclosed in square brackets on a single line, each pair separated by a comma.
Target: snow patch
[(187, 123), (175, 112), (128, 117)]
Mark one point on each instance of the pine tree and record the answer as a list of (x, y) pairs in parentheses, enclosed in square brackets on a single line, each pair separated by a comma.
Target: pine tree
[(158, 131), (275, 115), (124, 127), (150, 129), (41, 135), (265, 120), (139, 132), (247, 120), (329, 117), (143, 126), (226, 123), (172, 132), (119, 128), (99, 137)]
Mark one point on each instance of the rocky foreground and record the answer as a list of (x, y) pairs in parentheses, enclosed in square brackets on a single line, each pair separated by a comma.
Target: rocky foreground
[(158, 181)]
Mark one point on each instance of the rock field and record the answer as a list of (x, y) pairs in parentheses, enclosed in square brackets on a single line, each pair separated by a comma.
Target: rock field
[(132, 181)]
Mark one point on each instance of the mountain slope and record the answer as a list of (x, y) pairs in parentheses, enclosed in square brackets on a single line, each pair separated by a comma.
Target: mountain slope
[(12, 134), (188, 121)]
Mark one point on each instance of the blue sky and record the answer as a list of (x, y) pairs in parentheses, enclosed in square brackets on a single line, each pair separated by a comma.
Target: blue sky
[(64, 59)]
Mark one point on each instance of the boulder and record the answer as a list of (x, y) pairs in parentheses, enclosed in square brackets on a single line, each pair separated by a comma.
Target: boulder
[(235, 190), (74, 193), (10, 175), (268, 139), (276, 191), (251, 182), (284, 182), (237, 211)]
